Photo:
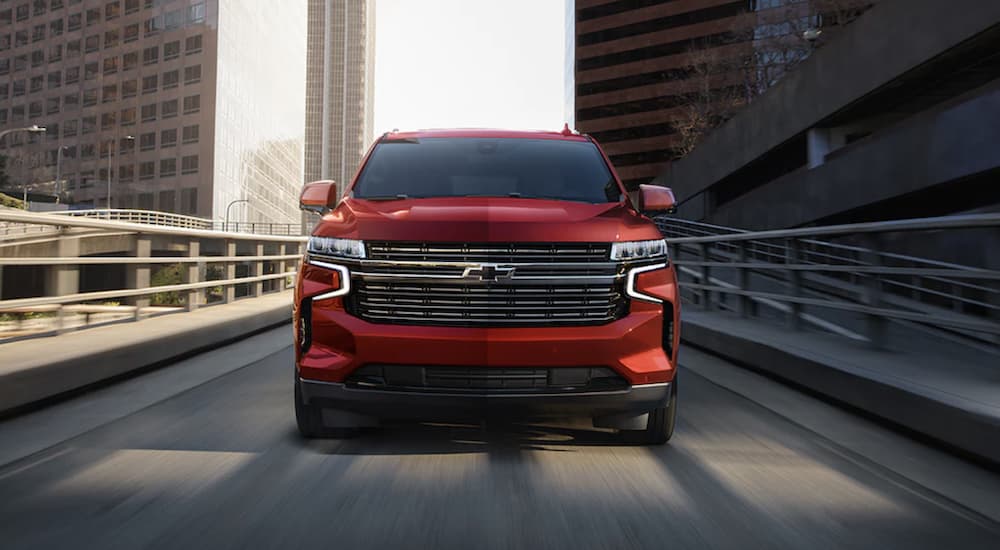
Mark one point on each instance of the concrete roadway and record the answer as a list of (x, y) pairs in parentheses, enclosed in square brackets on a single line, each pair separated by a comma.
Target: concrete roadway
[(216, 463)]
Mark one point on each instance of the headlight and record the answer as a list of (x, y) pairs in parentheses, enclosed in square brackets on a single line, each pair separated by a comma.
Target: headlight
[(639, 250), (342, 248)]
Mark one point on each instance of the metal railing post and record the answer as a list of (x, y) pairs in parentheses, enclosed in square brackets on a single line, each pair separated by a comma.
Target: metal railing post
[(743, 280), (230, 291), (876, 326), (792, 257), (193, 275), (706, 273), (256, 270), (138, 275)]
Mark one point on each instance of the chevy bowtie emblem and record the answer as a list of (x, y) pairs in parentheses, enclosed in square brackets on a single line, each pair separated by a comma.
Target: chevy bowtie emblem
[(489, 272)]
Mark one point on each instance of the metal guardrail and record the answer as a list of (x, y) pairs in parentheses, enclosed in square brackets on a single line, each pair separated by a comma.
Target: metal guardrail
[(789, 270), (161, 219), (216, 266)]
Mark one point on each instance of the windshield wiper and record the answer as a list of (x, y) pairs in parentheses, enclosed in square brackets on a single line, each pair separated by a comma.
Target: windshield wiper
[(399, 197)]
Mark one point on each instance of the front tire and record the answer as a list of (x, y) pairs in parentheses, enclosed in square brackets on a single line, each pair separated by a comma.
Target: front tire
[(659, 425)]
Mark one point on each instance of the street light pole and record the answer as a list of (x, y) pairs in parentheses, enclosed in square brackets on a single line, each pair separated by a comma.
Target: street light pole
[(225, 226)]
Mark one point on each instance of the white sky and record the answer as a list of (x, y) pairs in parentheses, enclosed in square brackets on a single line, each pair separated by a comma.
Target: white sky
[(469, 64)]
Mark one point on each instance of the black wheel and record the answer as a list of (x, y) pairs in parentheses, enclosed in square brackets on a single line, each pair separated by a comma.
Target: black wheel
[(659, 426), (308, 417)]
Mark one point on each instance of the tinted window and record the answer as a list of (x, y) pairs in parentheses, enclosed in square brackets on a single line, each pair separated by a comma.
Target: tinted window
[(468, 167)]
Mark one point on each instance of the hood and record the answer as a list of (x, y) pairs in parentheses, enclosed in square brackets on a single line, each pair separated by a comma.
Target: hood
[(479, 219)]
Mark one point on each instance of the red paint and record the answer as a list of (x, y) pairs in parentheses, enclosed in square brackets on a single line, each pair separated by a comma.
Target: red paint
[(632, 346)]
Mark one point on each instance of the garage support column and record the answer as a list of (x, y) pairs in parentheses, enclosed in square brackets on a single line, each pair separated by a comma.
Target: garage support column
[(138, 275)]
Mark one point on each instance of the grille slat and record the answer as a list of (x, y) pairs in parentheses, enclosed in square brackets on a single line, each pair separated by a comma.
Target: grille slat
[(560, 283), (486, 379)]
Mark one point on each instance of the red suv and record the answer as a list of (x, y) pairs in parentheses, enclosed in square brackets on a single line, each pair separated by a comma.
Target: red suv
[(473, 273)]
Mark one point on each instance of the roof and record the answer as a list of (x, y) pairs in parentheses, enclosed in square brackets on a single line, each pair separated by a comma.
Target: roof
[(485, 133)]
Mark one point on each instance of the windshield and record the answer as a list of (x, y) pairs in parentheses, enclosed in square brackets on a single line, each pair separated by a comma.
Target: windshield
[(485, 167)]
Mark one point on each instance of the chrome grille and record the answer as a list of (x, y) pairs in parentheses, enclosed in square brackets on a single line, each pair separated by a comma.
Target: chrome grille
[(490, 252), (447, 284), (460, 303)]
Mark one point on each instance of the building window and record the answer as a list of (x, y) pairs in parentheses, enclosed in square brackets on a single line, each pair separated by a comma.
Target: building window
[(130, 61), (170, 79), (111, 65), (73, 48), (149, 84), (189, 164), (110, 93), (90, 97), (71, 101), (192, 44), (18, 88), (130, 88), (72, 75), (34, 109), (168, 198), (111, 38), (51, 108), (55, 80), (169, 108), (37, 83), (126, 172), (22, 12), (196, 13), (112, 10), (90, 71), (171, 50), (190, 134), (131, 33), (131, 6), (149, 112), (168, 138), (74, 22), (92, 43), (189, 201), (128, 116), (153, 25), (108, 120), (168, 168), (39, 7), (147, 142), (192, 104), (88, 125), (37, 58), (55, 53), (38, 33), (192, 74), (147, 171), (56, 27), (173, 19), (150, 55), (93, 16)]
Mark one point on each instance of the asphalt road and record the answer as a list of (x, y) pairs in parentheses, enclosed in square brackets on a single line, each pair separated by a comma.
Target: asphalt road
[(220, 466)]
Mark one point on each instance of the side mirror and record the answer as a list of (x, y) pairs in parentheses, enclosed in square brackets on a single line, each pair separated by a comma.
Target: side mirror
[(653, 198), (318, 196)]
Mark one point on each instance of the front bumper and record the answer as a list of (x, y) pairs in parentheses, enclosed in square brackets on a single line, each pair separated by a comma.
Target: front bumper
[(341, 343), (630, 402)]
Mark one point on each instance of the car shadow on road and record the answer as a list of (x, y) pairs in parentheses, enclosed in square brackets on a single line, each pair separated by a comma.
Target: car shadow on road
[(412, 438)]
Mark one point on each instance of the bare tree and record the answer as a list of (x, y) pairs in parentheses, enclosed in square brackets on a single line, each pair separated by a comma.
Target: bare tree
[(763, 46)]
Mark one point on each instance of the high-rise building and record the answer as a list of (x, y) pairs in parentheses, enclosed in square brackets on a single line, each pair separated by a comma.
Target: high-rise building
[(188, 102), (632, 77), (339, 87)]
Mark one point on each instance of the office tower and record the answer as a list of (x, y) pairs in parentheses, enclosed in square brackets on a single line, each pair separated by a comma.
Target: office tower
[(192, 104)]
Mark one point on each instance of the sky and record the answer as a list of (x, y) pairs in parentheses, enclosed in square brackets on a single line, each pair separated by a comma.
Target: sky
[(469, 64)]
